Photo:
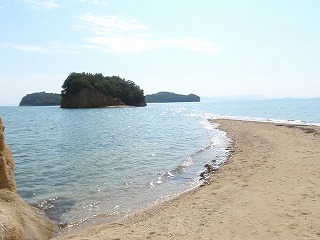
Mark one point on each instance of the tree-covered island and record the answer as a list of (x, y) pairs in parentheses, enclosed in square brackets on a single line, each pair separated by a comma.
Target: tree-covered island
[(163, 97), (41, 99), (87, 90)]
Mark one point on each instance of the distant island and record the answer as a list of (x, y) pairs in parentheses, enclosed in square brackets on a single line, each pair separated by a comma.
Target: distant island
[(41, 99), (164, 97), (87, 90)]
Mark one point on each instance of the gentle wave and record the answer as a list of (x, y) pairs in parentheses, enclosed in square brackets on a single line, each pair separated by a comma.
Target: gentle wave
[(82, 165), (268, 120)]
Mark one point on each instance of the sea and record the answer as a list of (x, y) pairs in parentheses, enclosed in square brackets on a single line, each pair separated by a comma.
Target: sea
[(83, 166)]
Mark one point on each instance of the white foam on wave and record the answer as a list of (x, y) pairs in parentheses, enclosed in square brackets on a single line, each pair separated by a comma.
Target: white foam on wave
[(269, 120), (188, 162), (217, 141), (206, 124), (210, 126)]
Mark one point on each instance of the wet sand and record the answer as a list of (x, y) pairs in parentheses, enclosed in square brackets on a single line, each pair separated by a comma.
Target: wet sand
[(268, 189)]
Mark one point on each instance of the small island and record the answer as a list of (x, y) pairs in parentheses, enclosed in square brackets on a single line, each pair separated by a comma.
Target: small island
[(86, 90), (41, 99), (164, 97)]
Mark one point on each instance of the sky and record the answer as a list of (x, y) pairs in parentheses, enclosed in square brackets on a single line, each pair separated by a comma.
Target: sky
[(207, 47)]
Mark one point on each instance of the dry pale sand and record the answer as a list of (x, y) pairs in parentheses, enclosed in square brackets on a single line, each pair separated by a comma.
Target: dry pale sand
[(269, 189)]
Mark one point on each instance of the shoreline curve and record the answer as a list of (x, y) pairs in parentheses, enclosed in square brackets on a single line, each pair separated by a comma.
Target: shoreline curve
[(268, 189)]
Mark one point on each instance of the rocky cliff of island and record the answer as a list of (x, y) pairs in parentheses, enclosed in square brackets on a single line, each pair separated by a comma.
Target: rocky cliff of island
[(86, 90), (18, 220), (89, 98)]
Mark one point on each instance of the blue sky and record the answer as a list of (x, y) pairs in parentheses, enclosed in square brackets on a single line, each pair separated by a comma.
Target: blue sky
[(207, 47)]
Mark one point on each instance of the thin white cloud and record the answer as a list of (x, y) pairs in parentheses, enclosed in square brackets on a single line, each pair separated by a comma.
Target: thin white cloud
[(198, 45), (50, 48), (22, 47), (119, 34), (49, 4), (107, 25), (4, 6), (140, 43), (116, 34), (91, 1)]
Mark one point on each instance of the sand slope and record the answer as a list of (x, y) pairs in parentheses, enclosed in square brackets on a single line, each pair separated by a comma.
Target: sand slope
[(268, 190)]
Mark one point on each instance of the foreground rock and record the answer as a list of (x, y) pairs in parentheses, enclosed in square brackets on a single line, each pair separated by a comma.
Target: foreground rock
[(18, 220)]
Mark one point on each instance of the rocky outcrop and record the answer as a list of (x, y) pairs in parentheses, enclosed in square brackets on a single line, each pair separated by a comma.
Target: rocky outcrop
[(6, 164), (88, 98), (18, 220)]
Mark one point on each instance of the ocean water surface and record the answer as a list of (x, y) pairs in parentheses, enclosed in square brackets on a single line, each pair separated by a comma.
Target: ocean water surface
[(84, 164)]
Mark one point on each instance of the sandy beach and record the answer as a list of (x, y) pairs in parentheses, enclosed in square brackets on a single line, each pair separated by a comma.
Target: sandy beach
[(268, 189)]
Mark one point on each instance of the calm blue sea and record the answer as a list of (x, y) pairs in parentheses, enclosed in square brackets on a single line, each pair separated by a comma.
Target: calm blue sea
[(76, 164)]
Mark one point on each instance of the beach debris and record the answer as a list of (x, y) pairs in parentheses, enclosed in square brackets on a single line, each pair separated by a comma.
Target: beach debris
[(209, 169)]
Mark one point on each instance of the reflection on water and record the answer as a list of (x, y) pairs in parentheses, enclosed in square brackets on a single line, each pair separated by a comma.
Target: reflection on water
[(55, 208), (76, 164)]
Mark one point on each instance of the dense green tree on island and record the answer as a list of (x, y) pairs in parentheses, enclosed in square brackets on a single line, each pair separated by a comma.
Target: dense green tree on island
[(124, 90), (163, 97), (41, 99)]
